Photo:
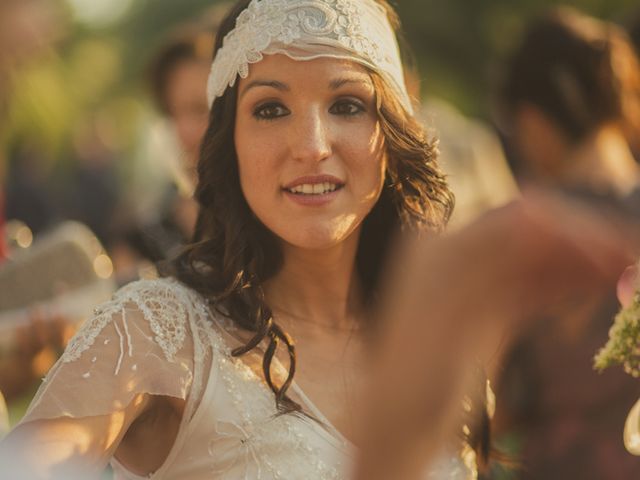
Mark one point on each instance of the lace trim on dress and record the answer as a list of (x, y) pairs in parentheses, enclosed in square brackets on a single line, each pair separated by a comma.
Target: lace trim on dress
[(162, 305), (148, 339)]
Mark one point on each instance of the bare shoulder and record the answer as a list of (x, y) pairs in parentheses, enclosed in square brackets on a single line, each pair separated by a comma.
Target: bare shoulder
[(67, 447)]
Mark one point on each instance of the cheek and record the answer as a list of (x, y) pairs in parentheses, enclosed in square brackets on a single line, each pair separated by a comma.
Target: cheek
[(257, 158), (250, 172), (369, 166)]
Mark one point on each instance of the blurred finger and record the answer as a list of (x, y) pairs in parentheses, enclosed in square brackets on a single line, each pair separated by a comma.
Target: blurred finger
[(627, 286)]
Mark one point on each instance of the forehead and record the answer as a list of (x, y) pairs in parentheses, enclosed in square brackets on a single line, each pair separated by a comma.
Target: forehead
[(284, 69)]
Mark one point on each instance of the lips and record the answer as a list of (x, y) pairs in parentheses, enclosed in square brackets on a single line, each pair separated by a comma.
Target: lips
[(314, 191), (314, 185)]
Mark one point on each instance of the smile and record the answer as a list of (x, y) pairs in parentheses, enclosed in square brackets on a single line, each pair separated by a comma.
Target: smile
[(314, 188)]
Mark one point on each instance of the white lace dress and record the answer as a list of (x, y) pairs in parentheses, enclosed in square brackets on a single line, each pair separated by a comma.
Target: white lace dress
[(160, 337)]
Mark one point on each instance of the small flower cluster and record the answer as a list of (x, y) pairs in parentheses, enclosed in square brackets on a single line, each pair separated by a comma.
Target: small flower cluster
[(623, 347)]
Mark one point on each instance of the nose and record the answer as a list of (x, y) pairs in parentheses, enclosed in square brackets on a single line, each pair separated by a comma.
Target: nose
[(311, 137)]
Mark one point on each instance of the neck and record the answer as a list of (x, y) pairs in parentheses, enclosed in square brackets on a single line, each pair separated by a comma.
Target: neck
[(604, 163), (318, 286)]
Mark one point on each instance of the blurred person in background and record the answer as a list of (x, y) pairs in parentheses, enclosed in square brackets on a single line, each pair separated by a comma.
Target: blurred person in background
[(473, 160), (25, 28), (28, 28), (572, 101), (633, 27), (471, 155), (178, 76), (31, 193), (92, 187)]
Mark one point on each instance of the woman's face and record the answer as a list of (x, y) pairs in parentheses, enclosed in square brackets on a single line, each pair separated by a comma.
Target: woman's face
[(310, 148)]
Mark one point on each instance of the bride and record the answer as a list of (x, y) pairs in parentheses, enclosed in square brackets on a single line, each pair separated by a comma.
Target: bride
[(311, 161)]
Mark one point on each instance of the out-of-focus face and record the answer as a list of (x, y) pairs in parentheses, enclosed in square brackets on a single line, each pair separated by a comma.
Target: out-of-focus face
[(26, 28), (186, 101), (539, 143), (310, 148)]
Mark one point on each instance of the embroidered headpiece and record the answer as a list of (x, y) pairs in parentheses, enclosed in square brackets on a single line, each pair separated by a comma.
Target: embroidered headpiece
[(356, 30)]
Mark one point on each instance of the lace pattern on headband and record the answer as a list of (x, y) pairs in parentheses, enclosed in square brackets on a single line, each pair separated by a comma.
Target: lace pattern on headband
[(312, 25)]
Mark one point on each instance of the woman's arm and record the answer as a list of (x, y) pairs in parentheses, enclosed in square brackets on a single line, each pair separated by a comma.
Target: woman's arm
[(121, 385), (67, 448)]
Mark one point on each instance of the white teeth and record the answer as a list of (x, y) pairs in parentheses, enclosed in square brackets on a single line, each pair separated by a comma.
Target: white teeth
[(314, 189)]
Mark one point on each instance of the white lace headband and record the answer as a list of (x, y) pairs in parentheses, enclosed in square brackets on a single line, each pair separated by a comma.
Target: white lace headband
[(356, 30)]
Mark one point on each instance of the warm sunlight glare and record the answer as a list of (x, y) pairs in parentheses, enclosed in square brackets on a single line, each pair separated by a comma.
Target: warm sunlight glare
[(99, 13)]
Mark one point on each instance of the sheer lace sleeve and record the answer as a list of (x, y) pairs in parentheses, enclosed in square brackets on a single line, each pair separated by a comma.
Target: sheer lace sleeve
[(146, 339)]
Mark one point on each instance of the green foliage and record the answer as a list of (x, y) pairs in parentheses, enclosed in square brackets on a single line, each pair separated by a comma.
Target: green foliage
[(623, 347), (40, 109)]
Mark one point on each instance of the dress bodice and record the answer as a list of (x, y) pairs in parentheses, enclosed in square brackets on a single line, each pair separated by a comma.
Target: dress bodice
[(160, 337)]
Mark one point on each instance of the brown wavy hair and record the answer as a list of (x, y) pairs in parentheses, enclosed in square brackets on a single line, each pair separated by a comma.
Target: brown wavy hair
[(232, 253)]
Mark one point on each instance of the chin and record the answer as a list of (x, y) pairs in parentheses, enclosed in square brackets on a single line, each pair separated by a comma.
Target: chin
[(321, 235)]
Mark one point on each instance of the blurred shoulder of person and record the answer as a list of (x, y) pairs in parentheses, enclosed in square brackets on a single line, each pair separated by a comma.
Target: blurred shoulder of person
[(472, 158)]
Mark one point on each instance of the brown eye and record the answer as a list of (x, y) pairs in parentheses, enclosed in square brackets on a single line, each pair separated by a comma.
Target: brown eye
[(270, 111), (347, 108)]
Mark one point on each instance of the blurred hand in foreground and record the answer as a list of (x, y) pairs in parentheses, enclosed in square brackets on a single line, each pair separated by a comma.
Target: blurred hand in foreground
[(452, 302), (628, 285)]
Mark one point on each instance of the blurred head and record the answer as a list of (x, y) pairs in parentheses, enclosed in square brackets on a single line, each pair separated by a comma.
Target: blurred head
[(27, 27), (179, 77), (571, 76)]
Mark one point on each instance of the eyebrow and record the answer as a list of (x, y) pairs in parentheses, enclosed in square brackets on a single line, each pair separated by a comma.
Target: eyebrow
[(283, 87), (336, 84), (265, 83)]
